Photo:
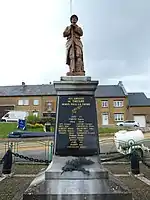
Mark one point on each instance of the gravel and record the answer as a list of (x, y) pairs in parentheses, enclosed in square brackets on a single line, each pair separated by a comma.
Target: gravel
[(140, 191), (13, 188), (27, 169), (125, 168)]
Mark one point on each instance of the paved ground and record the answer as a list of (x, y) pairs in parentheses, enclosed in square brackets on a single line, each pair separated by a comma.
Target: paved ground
[(13, 188), (40, 149), (140, 190)]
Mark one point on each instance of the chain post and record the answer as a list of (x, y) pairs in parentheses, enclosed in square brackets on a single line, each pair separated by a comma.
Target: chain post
[(135, 162), (5, 147), (45, 149), (51, 151), (11, 146)]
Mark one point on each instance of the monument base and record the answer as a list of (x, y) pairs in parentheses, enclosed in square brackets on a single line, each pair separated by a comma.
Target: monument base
[(99, 185), (76, 73)]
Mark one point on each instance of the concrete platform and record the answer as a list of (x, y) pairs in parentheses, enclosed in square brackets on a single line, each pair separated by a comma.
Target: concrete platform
[(99, 185)]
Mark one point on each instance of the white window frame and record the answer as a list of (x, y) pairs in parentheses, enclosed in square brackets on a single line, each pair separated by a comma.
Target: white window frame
[(23, 102), (104, 103), (118, 117), (36, 102), (118, 103)]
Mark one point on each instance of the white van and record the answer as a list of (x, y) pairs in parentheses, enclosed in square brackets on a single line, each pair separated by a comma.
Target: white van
[(14, 116)]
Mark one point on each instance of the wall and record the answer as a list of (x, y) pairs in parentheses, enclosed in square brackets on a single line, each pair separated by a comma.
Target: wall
[(8, 100), (138, 111), (44, 99), (110, 110), (30, 108)]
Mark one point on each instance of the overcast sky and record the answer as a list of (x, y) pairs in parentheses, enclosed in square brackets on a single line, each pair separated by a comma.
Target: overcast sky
[(116, 41)]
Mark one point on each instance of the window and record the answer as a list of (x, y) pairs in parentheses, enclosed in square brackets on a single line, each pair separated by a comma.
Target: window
[(129, 121), (49, 114), (49, 105), (23, 102), (119, 117), (105, 104), (35, 113), (118, 104), (35, 102)]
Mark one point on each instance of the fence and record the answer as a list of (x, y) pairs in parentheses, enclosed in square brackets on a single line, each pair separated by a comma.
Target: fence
[(41, 149)]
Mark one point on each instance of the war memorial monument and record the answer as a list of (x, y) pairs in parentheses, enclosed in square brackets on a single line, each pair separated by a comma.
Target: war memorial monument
[(75, 172)]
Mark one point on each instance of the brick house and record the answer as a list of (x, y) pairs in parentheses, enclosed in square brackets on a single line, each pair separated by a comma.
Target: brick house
[(111, 104), (36, 99), (139, 108), (41, 99)]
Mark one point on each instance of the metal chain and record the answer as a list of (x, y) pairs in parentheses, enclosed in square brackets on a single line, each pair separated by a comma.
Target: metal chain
[(124, 156), (145, 163), (115, 158), (31, 159), (102, 160)]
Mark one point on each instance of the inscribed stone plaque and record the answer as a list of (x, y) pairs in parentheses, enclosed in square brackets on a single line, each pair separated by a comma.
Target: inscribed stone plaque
[(77, 132)]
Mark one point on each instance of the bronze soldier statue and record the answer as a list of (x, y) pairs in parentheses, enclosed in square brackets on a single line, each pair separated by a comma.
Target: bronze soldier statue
[(74, 48)]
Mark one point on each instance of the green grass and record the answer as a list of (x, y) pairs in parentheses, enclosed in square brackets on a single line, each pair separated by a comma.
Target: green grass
[(6, 128), (108, 130)]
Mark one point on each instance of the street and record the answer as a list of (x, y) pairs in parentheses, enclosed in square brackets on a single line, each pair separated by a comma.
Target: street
[(41, 149)]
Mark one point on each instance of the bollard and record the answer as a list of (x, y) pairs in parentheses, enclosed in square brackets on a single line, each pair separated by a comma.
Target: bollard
[(135, 166), (51, 152), (7, 162)]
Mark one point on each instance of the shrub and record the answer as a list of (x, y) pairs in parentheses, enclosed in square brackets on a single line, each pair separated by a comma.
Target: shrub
[(108, 129), (44, 120), (30, 126), (35, 126), (38, 125), (32, 119)]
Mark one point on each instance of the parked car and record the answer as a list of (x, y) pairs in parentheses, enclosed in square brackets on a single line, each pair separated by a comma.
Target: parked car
[(14, 116), (128, 123)]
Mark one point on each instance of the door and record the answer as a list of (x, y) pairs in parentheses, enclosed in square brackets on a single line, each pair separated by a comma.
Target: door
[(104, 119), (141, 120), (35, 113)]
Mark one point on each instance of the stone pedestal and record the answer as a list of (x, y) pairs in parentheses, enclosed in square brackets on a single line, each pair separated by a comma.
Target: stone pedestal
[(76, 134), (99, 185)]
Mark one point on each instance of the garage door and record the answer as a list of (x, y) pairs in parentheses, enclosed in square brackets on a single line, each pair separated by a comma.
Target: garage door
[(140, 119)]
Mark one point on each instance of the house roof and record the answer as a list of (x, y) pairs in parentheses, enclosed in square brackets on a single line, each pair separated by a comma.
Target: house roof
[(109, 91), (48, 89), (27, 90), (138, 99)]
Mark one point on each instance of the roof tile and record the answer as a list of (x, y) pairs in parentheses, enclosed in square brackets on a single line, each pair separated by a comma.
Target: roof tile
[(138, 99), (48, 89)]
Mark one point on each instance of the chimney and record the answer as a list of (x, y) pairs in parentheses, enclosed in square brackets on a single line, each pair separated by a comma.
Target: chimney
[(122, 87)]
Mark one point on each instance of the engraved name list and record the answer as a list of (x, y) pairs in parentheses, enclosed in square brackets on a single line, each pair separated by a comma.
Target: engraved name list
[(77, 121)]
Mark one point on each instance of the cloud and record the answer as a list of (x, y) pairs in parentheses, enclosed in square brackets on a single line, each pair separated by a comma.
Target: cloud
[(116, 40)]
